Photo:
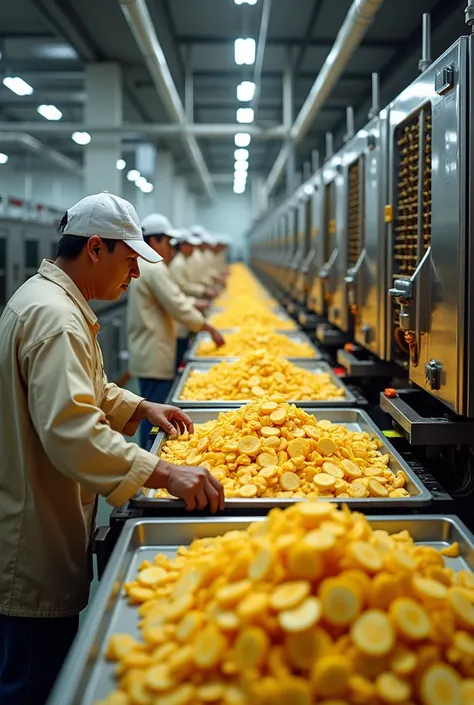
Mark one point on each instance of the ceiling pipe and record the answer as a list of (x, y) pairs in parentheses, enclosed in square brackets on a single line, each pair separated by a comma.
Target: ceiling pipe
[(350, 35), (43, 150), (148, 128), (138, 18), (262, 41)]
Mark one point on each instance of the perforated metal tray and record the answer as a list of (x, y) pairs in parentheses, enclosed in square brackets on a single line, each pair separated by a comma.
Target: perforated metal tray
[(354, 420), (296, 336), (87, 676), (203, 366)]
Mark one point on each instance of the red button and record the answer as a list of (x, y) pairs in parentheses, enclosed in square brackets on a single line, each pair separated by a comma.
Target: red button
[(390, 393)]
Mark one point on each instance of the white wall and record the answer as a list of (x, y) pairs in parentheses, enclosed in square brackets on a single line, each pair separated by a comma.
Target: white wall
[(228, 213)]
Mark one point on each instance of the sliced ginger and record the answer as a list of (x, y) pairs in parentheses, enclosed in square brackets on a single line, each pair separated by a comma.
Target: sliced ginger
[(271, 448), (373, 619)]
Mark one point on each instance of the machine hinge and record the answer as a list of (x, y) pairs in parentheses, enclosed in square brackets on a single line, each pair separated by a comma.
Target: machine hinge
[(433, 370), (444, 79)]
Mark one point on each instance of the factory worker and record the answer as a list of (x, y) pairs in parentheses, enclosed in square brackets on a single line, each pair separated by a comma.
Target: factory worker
[(186, 277), (156, 305), (202, 260), (61, 441)]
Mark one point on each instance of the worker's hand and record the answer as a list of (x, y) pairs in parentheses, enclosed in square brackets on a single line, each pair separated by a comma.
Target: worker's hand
[(210, 292), (169, 418), (195, 485), (215, 335), (201, 305)]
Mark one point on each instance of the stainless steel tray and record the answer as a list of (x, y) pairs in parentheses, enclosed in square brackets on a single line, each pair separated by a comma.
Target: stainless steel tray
[(87, 676), (203, 366), (296, 336), (354, 420)]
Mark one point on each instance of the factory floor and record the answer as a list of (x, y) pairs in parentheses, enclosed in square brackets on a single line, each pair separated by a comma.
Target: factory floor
[(104, 509)]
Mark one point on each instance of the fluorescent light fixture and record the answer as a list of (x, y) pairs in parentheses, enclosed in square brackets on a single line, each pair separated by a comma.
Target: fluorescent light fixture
[(241, 155), (244, 115), (17, 85), (244, 51), (50, 112), (245, 91), (308, 189), (121, 164), (239, 181), (245, 2), (141, 181), (147, 188), (3, 158), (242, 139), (241, 166), (133, 175), (81, 138), (239, 188)]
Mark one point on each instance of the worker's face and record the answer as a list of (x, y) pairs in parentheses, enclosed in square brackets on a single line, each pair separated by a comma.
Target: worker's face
[(163, 246), (186, 249), (112, 271)]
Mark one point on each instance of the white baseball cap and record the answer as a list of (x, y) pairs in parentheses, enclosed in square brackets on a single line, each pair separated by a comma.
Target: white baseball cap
[(157, 224), (184, 235), (111, 218)]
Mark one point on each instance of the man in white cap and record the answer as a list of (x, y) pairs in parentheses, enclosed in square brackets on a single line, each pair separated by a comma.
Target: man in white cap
[(203, 260), (186, 277), (155, 305), (61, 441)]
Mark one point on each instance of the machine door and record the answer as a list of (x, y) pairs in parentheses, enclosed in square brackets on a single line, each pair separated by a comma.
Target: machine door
[(323, 282), (428, 266), (366, 277)]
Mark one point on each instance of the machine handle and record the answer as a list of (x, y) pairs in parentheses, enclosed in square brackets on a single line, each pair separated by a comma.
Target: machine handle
[(100, 546)]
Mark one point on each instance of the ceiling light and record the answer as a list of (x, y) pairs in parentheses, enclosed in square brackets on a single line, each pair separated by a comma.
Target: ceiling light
[(147, 188), (133, 175), (245, 2), (121, 164), (3, 158), (241, 155), (308, 189), (239, 188), (81, 138), (240, 178), (242, 139), (245, 91), (50, 112), (244, 51), (244, 115), (141, 181), (241, 166), (17, 85)]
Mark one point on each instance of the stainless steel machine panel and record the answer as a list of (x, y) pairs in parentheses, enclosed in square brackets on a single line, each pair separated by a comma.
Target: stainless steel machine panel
[(326, 225), (366, 169), (87, 676), (428, 269)]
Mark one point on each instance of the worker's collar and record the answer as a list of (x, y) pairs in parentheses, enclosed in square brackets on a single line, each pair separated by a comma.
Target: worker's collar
[(50, 271)]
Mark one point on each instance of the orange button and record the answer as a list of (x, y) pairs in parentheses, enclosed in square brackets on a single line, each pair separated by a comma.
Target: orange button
[(390, 393), (349, 347)]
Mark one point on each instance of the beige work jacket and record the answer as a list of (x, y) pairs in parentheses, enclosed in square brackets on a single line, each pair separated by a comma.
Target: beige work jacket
[(203, 268), (184, 275), (60, 446), (155, 305)]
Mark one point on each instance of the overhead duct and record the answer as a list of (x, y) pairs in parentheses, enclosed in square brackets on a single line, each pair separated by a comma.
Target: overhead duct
[(351, 33), (43, 150), (138, 17)]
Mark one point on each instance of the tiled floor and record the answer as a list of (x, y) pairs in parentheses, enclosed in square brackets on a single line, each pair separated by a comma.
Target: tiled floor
[(104, 509)]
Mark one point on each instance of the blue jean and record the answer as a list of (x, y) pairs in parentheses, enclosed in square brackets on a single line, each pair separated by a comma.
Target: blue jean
[(181, 348), (32, 651), (155, 390)]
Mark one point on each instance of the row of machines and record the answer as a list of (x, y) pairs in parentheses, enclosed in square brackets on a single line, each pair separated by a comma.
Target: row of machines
[(374, 252), (28, 234)]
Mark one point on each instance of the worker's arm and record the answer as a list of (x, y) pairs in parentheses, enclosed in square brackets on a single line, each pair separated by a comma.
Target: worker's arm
[(75, 435), (179, 306), (119, 406)]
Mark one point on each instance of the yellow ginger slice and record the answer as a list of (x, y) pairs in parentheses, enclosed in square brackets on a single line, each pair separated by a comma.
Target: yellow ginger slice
[(289, 595), (251, 648), (441, 685), (303, 617), (392, 689), (330, 675), (209, 647), (410, 618), (341, 602), (373, 633)]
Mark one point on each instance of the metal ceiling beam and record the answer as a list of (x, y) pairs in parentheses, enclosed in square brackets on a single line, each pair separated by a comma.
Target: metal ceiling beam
[(67, 24), (150, 129), (349, 37), (322, 43), (138, 18), (43, 150)]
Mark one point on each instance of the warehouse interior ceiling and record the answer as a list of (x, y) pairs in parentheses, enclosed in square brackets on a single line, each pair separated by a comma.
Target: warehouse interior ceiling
[(48, 43)]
